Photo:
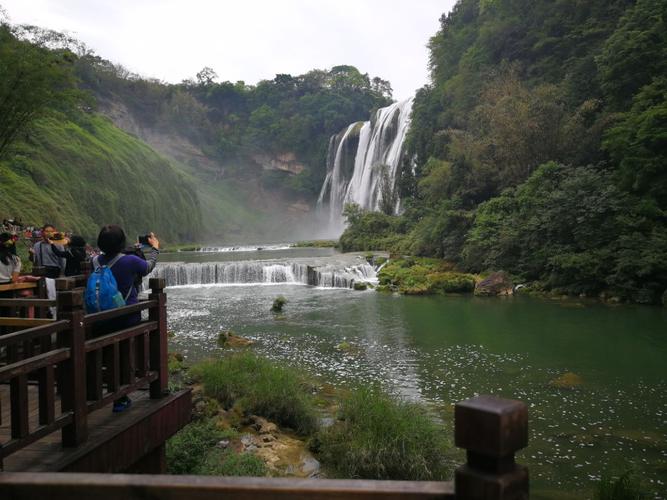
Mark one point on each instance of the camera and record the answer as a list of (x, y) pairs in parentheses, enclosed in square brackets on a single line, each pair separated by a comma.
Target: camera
[(143, 239), (57, 236)]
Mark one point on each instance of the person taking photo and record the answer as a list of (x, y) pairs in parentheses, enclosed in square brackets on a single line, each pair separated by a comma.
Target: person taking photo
[(43, 255)]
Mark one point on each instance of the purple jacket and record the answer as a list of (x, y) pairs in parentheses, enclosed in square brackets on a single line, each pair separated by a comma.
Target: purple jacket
[(127, 269)]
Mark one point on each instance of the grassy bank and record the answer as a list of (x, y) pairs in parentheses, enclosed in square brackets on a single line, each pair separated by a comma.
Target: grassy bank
[(373, 435), (251, 384), (424, 276), (379, 436)]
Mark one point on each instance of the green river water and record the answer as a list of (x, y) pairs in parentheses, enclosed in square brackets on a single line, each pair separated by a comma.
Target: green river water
[(440, 350)]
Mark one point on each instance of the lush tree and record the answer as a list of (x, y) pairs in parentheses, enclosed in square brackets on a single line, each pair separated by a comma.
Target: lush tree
[(34, 79)]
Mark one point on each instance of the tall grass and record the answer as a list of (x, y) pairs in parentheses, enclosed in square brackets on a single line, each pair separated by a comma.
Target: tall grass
[(383, 437), (193, 451), (626, 487), (257, 385)]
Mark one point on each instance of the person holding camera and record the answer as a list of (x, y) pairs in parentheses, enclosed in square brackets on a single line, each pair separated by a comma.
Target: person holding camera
[(127, 268), (74, 254), (43, 255)]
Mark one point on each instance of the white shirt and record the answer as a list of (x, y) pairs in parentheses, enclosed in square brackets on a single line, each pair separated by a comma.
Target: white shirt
[(6, 270)]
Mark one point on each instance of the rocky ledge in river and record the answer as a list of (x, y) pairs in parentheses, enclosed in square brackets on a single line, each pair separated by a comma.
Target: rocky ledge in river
[(284, 454), (498, 283)]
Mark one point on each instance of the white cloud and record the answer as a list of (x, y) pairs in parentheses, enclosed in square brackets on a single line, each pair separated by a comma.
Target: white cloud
[(249, 40)]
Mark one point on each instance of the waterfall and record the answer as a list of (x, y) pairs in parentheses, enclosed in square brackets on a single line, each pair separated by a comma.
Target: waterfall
[(264, 273), (360, 157)]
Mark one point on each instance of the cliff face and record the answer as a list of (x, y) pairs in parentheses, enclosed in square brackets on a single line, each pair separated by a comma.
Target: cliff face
[(284, 162)]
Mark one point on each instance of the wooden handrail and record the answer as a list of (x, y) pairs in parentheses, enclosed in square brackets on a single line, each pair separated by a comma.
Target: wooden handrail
[(8, 287), (27, 302), (24, 322), (33, 363), (65, 486), (33, 333), (142, 305)]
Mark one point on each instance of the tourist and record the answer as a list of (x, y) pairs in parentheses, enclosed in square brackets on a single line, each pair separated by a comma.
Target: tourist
[(126, 269), (10, 263), (74, 254), (42, 253)]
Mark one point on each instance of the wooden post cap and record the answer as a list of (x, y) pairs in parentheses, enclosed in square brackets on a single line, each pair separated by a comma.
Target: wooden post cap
[(69, 299), (156, 284), (491, 426), (64, 284)]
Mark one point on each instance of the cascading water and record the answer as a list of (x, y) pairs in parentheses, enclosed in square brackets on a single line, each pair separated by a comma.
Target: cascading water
[(265, 273), (361, 158)]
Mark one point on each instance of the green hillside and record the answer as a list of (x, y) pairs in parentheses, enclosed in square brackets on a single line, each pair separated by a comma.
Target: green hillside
[(539, 147), (80, 175)]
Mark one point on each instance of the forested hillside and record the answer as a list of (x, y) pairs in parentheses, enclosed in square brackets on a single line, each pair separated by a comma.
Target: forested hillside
[(235, 161), (64, 164), (242, 127), (540, 147)]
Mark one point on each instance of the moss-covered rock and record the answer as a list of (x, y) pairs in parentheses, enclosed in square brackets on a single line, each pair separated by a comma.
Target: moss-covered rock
[(278, 304), (567, 380), (498, 283), (230, 339), (423, 276), (360, 285)]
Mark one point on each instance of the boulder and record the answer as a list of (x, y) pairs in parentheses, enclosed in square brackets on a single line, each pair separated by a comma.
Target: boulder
[(567, 380), (498, 283)]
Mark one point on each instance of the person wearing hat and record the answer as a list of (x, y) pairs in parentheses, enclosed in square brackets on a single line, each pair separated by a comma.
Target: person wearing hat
[(42, 252)]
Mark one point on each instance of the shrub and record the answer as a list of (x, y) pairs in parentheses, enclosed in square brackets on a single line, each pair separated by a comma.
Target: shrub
[(420, 276), (382, 437), (450, 282), (187, 449), (258, 386), (278, 304), (626, 487), (220, 462)]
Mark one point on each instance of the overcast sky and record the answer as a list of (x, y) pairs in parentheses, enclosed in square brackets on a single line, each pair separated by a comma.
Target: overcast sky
[(249, 40)]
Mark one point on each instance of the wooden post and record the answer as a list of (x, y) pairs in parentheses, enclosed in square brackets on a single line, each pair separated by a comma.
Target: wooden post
[(491, 430), (158, 338), (73, 373), (86, 268)]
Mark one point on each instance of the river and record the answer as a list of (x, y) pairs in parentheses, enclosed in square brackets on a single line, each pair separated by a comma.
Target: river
[(440, 350)]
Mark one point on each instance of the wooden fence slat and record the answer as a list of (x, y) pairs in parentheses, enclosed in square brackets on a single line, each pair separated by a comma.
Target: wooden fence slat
[(94, 375), (18, 390), (47, 404)]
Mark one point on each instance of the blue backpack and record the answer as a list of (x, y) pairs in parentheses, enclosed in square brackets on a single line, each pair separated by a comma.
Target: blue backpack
[(102, 290)]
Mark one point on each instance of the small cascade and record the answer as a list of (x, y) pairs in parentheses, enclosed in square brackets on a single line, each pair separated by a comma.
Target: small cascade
[(264, 273), (361, 159), (247, 248)]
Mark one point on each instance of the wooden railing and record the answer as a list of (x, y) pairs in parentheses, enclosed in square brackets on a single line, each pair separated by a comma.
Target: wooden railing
[(490, 429), (89, 371)]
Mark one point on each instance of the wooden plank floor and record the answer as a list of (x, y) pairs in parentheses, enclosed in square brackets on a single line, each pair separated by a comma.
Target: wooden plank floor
[(48, 454)]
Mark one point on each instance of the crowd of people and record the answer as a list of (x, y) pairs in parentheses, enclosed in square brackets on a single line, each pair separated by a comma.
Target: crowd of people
[(61, 254)]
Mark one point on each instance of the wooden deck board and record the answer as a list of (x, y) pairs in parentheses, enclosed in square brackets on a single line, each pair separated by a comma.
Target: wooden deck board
[(47, 454)]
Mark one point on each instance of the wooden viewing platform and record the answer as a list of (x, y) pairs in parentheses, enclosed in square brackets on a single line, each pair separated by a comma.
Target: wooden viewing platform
[(59, 378), (59, 439)]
